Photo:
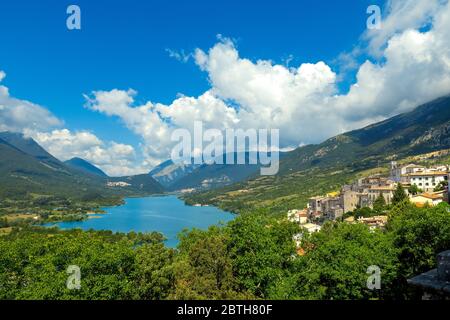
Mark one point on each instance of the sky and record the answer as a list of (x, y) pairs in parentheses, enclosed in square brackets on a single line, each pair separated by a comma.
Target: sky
[(113, 91)]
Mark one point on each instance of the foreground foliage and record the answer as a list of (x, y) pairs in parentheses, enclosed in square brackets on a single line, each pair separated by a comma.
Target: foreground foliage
[(253, 257)]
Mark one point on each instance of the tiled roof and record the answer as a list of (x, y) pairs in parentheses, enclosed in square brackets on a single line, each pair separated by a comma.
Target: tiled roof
[(426, 174)]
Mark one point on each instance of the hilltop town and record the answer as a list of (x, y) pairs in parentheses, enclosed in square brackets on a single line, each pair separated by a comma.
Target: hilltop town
[(355, 202)]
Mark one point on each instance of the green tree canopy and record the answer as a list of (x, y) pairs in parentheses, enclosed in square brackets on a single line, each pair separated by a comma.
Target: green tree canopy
[(399, 195), (379, 204)]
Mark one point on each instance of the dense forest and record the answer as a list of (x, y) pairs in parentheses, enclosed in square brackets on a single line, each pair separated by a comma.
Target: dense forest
[(252, 257)]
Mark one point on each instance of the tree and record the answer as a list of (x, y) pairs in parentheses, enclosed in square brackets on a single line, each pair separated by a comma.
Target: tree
[(262, 249), (153, 274), (364, 212), (399, 195), (414, 189), (380, 204), (420, 234), (337, 261), (33, 265), (441, 186), (204, 268)]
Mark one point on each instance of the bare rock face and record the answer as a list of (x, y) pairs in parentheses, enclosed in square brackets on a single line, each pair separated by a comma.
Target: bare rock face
[(435, 137)]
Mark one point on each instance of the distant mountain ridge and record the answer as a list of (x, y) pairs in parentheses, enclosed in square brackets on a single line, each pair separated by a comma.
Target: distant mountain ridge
[(25, 167), (168, 172), (85, 166), (202, 176)]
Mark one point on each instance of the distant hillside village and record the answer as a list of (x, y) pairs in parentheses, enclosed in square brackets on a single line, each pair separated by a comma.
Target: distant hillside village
[(424, 187)]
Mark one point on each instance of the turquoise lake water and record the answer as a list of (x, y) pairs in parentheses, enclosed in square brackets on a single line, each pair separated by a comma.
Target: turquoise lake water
[(166, 214)]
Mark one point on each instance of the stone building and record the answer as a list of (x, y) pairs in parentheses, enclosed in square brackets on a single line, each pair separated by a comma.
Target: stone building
[(435, 284)]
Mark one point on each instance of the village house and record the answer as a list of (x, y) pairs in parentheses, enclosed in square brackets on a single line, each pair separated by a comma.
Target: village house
[(376, 222), (399, 174), (325, 207), (386, 191), (427, 180), (117, 184), (430, 199), (298, 216), (315, 205), (308, 227), (351, 200)]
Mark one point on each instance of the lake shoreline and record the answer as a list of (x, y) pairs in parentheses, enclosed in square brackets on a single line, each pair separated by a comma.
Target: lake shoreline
[(166, 214)]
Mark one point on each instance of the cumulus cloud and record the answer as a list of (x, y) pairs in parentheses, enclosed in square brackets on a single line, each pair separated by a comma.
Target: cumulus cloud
[(401, 15), (35, 121), (412, 67), (17, 114), (415, 69), (155, 122), (114, 158), (409, 64)]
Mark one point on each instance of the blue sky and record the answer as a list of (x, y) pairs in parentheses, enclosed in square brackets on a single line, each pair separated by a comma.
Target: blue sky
[(125, 45)]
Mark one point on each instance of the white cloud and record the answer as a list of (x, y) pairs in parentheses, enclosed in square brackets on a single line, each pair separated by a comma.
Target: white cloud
[(17, 114), (181, 55), (114, 158), (303, 102), (409, 65), (150, 121), (416, 69), (402, 15)]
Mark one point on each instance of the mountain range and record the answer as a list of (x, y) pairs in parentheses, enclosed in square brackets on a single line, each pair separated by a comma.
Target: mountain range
[(25, 167), (320, 168), (202, 177)]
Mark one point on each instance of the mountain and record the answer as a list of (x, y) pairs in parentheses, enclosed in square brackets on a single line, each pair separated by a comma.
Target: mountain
[(317, 169), (168, 172), (216, 175), (30, 147), (26, 168), (424, 129), (194, 176), (83, 165)]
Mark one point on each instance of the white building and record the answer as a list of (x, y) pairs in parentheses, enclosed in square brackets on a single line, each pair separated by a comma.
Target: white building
[(117, 184), (298, 216), (311, 227), (427, 180), (399, 174)]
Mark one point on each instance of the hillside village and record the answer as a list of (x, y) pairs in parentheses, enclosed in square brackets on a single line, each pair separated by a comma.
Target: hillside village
[(424, 186)]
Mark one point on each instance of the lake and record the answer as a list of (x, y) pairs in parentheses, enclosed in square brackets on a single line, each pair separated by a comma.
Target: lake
[(166, 214)]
